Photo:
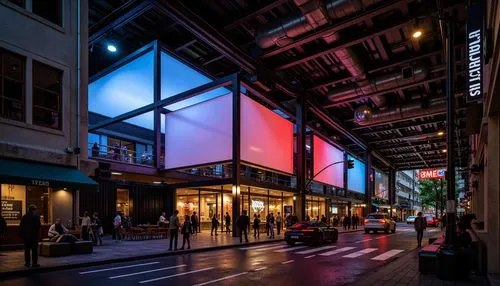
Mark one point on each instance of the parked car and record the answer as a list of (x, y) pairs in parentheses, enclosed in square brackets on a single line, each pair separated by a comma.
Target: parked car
[(379, 222), (411, 219), (311, 232), (432, 221)]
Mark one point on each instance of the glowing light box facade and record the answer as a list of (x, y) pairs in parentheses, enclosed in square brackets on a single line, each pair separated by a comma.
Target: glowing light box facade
[(325, 154), (266, 137), (356, 176), (202, 134)]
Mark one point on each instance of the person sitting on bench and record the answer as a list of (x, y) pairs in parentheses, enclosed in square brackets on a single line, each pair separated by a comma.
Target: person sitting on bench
[(57, 229)]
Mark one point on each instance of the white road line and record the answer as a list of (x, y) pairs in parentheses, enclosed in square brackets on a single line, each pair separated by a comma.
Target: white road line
[(115, 268), (310, 256), (270, 248), (359, 253), (290, 249), (220, 279), (380, 237), (364, 240), (260, 269), (175, 275), (286, 262), (259, 246), (315, 250), (147, 271), (388, 254), (336, 251)]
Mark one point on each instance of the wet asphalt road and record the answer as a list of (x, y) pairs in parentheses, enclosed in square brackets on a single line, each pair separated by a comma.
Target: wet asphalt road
[(270, 264)]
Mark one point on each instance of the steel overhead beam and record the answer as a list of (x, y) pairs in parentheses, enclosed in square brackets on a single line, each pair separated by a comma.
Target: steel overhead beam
[(370, 13), (368, 96), (425, 136), (342, 46), (332, 82), (164, 102), (262, 10), (203, 31), (127, 17), (394, 148)]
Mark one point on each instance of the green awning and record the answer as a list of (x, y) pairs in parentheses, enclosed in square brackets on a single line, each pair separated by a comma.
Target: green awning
[(45, 175)]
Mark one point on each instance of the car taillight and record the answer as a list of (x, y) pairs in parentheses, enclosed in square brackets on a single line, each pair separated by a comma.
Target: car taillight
[(382, 220), (366, 221), (308, 230)]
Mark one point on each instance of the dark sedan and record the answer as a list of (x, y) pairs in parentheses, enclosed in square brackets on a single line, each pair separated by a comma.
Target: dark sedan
[(311, 232)]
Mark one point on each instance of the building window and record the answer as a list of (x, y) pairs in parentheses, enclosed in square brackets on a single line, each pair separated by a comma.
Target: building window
[(50, 10), (47, 96), (122, 201), (11, 85)]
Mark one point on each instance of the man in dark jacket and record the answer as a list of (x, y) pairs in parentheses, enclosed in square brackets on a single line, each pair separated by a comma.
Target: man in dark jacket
[(243, 223), (420, 225), (30, 233), (194, 223)]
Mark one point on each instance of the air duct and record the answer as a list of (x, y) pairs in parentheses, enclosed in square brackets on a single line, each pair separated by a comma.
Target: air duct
[(409, 111), (377, 84)]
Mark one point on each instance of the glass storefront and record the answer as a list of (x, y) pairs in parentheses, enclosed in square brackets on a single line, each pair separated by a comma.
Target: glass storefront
[(122, 201), (315, 207), (50, 203)]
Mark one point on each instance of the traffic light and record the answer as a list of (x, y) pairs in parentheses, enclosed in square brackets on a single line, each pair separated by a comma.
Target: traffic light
[(350, 164)]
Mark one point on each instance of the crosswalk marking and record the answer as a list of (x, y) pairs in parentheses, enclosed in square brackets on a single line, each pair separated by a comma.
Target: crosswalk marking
[(340, 250), (175, 275), (290, 249), (387, 255), (286, 262), (147, 271), (259, 246), (359, 253), (315, 249), (221, 279), (271, 248), (116, 268), (310, 256)]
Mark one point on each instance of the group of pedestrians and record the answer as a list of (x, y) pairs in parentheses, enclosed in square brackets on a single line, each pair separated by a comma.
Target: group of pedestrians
[(350, 222)]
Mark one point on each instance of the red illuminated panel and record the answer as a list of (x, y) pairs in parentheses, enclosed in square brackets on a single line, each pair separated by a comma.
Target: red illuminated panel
[(430, 174), (325, 154), (266, 137), (199, 134)]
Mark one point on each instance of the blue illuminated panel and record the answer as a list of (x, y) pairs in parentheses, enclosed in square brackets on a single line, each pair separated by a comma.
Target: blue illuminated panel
[(356, 176)]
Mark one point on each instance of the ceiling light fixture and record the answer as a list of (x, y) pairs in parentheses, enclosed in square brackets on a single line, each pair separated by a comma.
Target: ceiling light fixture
[(116, 173), (112, 48), (444, 150), (440, 133), (417, 34)]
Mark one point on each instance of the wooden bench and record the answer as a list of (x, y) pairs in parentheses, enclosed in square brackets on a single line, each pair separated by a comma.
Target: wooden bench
[(54, 249)]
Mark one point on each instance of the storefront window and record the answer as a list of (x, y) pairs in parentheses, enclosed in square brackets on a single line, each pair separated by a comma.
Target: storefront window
[(17, 198), (122, 201), (315, 207)]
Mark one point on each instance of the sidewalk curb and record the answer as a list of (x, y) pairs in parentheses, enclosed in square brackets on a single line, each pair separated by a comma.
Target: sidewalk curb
[(26, 271)]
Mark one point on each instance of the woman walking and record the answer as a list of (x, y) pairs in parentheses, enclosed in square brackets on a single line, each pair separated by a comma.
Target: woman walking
[(86, 222), (186, 232)]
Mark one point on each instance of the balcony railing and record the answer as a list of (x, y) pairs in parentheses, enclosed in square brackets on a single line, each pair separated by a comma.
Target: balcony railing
[(118, 154)]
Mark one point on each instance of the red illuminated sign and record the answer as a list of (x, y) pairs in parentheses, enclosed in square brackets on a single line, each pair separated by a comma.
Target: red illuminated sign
[(431, 174)]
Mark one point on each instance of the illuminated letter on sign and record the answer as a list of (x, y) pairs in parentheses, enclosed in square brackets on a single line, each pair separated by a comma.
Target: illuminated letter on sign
[(431, 174)]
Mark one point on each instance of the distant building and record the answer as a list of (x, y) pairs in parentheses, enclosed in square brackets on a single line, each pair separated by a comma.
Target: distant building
[(407, 194)]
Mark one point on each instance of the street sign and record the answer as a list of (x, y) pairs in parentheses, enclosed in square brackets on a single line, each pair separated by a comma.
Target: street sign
[(430, 174), (475, 42)]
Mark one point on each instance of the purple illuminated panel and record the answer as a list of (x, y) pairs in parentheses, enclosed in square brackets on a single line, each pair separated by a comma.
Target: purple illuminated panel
[(199, 134), (325, 154), (266, 137)]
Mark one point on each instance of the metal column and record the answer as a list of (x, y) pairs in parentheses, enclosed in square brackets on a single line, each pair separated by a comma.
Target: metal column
[(392, 189), (157, 113), (300, 122), (236, 176), (368, 185)]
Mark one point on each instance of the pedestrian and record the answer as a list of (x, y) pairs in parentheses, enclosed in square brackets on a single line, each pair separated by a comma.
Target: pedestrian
[(194, 223), (97, 229), (116, 152), (295, 219), (271, 226), (227, 220), (186, 232), (256, 226), (95, 150), (162, 221), (124, 153), (308, 218), (279, 223), (348, 221), (86, 223), (215, 225), (268, 218), (323, 219), (420, 225), (3, 229), (56, 229), (174, 229), (243, 222), (30, 233), (117, 224)]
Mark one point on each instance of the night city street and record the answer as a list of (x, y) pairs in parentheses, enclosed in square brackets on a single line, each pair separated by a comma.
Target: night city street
[(360, 138), (341, 263)]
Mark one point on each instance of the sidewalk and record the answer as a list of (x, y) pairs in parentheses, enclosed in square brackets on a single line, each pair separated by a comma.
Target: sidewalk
[(404, 271), (12, 262)]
